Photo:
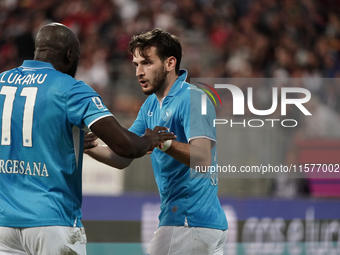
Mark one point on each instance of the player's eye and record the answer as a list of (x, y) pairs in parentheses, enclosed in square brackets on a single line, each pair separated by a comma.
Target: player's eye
[(147, 63)]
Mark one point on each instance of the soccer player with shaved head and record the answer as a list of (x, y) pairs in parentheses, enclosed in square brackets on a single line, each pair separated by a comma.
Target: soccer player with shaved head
[(44, 112)]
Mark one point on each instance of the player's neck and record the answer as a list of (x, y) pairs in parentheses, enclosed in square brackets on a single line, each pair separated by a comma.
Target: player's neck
[(47, 56), (170, 80)]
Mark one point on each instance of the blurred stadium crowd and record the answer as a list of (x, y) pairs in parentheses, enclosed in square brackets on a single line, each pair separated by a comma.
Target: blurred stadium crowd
[(221, 38)]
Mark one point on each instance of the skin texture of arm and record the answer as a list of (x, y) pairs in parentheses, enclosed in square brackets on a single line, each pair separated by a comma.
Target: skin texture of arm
[(125, 143), (198, 152), (104, 154)]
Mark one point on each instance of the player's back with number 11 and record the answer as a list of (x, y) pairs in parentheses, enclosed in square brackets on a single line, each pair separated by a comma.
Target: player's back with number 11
[(43, 112), (36, 91)]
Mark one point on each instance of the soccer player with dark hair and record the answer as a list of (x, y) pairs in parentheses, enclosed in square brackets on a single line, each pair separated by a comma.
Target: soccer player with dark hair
[(44, 110), (192, 221)]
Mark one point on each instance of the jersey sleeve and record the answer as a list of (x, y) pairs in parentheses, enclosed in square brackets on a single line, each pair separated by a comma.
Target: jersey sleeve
[(197, 125), (139, 125), (84, 106)]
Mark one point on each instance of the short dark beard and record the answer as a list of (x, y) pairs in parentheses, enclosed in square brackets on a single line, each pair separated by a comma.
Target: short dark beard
[(159, 81)]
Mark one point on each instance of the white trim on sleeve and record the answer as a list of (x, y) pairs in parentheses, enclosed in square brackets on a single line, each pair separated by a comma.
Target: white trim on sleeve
[(99, 118), (205, 137)]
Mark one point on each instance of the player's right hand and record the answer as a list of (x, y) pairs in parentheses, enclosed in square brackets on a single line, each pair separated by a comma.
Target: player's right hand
[(90, 141), (158, 135)]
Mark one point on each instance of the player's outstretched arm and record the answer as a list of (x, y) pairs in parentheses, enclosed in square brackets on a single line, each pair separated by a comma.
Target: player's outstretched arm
[(125, 143), (104, 154), (197, 153)]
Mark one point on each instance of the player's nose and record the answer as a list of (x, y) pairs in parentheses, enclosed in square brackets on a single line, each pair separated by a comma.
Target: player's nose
[(139, 71)]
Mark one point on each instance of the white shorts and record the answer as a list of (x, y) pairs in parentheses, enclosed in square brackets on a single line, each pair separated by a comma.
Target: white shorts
[(179, 240), (50, 240)]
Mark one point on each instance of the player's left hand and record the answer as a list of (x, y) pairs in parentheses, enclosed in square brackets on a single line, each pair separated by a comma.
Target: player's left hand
[(148, 131), (164, 131), (90, 140)]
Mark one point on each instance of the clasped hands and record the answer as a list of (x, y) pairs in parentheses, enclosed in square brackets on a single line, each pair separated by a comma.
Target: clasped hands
[(158, 136)]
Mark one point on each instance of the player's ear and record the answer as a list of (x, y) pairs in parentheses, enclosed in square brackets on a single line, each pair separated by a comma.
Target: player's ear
[(170, 63), (67, 57)]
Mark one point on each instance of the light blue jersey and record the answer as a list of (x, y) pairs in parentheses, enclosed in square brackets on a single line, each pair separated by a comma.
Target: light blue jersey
[(43, 112), (184, 200)]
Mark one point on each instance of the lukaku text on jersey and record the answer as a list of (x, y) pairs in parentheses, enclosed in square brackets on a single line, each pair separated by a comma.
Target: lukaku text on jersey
[(43, 112)]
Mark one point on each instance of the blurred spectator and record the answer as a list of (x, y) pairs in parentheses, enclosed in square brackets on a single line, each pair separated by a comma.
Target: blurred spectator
[(295, 186), (323, 123), (267, 38)]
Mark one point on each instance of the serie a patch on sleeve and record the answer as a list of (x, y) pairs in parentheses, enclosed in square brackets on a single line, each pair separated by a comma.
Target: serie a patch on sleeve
[(98, 102)]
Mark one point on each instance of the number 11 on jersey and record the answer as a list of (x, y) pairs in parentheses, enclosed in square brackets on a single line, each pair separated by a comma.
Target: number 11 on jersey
[(27, 123)]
